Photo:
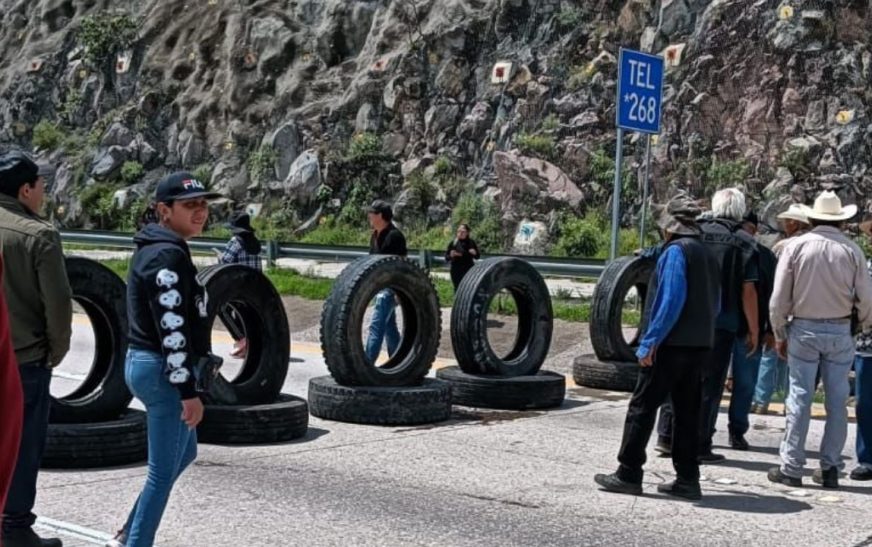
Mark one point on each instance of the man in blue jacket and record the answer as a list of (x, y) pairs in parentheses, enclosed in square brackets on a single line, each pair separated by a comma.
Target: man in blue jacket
[(676, 342)]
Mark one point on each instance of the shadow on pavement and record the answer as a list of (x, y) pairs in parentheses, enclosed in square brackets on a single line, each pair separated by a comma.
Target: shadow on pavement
[(743, 502), (311, 434)]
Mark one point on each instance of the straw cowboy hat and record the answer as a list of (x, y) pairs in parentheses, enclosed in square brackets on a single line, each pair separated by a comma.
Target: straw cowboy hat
[(797, 212), (828, 207)]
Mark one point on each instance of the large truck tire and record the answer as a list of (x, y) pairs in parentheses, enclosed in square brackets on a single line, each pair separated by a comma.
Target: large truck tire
[(284, 420), (343, 316), (103, 395), (380, 405), (469, 318), (99, 444), (265, 323), (538, 391), (589, 371), (606, 330)]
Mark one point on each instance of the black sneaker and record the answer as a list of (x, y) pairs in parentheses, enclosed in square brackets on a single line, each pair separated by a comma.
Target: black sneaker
[(710, 457), (828, 478), (681, 489), (26, 537), (612, 483), (775, 475), (663, 446), (738, 442), (861, 473)]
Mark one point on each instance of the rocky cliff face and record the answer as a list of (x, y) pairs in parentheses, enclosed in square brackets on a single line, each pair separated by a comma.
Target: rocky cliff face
[(302, 107)]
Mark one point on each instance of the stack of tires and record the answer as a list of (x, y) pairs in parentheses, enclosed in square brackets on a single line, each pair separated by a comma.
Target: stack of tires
[(513, 381), (92, 426), (250, 408), (614, 365), (396, 392)]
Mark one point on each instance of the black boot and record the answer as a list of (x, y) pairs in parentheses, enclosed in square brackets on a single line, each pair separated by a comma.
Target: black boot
[(26, 537), (738, 442), (688, 490), (828, 478), (612, 483), (775, 475)]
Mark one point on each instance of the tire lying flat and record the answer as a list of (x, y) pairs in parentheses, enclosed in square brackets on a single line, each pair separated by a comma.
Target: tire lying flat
[(265, 323), (103, 395), (380, 405), (606, 331), (542, 390), (99, 444), (589, 371), (343, 314), (469, 318), (284, 420)]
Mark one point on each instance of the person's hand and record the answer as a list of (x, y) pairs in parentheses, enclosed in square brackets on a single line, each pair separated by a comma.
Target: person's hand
[(473, 252), (781, 349), (751, 342), (456, 254), (648, 360), (192, 412), (769, 340)]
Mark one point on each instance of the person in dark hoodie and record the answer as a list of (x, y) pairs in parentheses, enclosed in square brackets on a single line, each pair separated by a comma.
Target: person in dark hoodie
[(169, 335), (243, 248), (461, 254)]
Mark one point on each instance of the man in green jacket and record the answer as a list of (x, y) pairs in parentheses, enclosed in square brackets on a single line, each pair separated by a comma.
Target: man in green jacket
[(40, 309)]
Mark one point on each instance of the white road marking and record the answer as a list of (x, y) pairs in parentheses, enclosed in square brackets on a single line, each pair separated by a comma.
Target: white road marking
[(69, 529)]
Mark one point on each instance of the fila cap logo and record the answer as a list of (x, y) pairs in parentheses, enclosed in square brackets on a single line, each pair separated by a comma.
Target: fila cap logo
[(192, 184)]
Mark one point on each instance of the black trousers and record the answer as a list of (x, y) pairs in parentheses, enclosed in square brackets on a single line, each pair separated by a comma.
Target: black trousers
[(676, 374), (230, 317), (714, 367), (35, 380)]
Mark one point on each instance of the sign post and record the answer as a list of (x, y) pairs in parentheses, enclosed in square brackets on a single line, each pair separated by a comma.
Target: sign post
[(639, 105)]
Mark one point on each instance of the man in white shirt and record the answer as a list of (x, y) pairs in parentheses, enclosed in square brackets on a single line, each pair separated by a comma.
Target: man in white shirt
[(820, 280)]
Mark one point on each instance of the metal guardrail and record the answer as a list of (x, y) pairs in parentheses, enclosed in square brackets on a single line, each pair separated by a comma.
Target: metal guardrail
[(547, 266)]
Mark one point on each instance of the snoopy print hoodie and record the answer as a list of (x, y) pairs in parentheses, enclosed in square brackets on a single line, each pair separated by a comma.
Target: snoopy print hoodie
[(166, 305)]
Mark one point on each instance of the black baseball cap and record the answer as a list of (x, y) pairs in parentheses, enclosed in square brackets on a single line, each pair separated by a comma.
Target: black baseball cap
[(16, 170), (381, 207), (182, 185)]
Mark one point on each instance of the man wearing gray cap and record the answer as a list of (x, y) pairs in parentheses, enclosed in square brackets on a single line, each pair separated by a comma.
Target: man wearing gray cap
[(679, 335), (40, 308)]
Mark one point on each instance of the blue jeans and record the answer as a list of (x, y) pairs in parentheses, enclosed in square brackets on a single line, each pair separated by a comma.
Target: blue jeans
[(171, 445), (35, 383), (772, 377), (383, 326), (863, 391), (813, 344), (745, 370)]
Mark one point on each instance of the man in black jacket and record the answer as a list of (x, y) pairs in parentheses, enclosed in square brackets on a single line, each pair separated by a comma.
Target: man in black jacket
[(677, 338), (737, 258), (386, 239)]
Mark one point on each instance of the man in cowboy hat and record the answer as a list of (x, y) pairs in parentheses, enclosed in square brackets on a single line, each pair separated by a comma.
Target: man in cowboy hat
[(820, 280), (773, 370), (678, 336)]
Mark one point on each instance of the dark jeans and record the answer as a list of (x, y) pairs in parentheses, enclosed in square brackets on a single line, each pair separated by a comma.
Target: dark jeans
[(35, 381), (714, 367), (863, 390), (745, 372), (676, 373)]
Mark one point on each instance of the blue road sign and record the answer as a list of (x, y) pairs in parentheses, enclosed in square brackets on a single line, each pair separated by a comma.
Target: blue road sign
[(640, 91)]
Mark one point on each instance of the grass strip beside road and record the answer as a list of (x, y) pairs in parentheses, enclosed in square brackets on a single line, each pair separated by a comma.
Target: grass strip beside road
[(290, 282)]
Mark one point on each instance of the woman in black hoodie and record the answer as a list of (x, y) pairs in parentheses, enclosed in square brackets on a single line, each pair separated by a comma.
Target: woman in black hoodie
[(169, 336), (461, 254)]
